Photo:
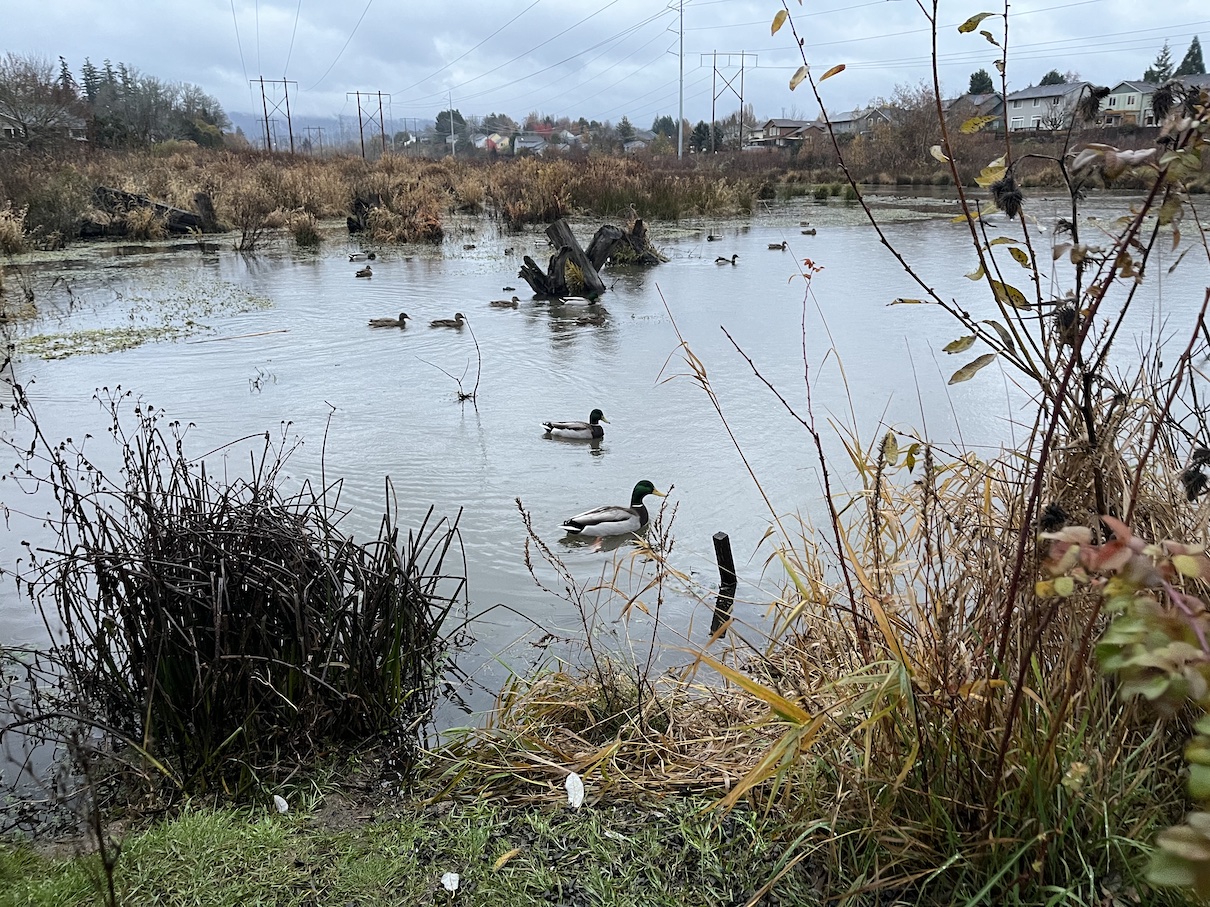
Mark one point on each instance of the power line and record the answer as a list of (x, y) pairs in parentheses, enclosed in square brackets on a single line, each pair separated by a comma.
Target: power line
[(290, 52), (240, 45), (356, 25), (472, 50)]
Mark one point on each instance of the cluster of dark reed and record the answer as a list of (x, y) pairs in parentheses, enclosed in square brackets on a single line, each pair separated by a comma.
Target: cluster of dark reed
[(218, 625)]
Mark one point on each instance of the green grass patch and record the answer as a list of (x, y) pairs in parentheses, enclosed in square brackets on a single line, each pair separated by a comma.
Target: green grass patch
[(678, 852)]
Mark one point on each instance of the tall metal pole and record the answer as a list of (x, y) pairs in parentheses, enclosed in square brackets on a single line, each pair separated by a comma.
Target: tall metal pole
[(680, 123), (361, 128), (289, 123), (265, 105), (453, 141), (741, 100), (713, 95), (382, 126)]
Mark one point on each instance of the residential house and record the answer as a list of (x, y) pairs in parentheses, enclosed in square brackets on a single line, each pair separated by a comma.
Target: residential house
[(864, 120), (1043, 106), (1128, 104), (776, 132), (9, 128), (968, 106)]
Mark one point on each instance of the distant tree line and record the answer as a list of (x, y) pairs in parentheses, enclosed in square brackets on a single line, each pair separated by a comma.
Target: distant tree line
[(113, 106)]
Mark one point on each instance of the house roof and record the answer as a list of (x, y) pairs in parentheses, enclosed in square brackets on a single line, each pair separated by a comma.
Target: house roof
[(974, 101), (1140, 87), (1201, 80), (776, 123), (1045, 91)]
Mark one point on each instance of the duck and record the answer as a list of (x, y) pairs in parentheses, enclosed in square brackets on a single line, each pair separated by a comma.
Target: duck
[(456, 322), (778, 246), (614, 520), (362, 256), (596, 318), (724, 260), (390, 322), (804, 223), (505, 303), (578, 431), (468, 247), (365, 272), (810, 231), (508, 289), (710, 237)]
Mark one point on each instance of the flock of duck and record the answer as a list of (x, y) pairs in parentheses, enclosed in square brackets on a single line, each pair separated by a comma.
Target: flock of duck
[(610, 520)]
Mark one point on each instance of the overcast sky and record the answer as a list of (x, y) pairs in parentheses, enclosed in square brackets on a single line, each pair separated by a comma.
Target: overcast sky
[(600, 59)]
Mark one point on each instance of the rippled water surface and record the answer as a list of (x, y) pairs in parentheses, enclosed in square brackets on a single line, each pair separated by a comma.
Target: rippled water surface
[(282, 337)]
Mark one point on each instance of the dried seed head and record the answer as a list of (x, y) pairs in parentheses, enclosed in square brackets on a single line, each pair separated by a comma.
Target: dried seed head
[(1090, 104), (1195, 482), (1053, 518), (1162, 101), (1067, 323), (1007, 196)]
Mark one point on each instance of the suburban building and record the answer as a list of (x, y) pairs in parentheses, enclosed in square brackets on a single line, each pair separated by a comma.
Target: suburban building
[(968, 106), (1043, 106), (1128, 104), (864, 120)]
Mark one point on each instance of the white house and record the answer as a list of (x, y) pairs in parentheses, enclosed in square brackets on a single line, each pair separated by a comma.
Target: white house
[(1129, 104), (1043, 106)]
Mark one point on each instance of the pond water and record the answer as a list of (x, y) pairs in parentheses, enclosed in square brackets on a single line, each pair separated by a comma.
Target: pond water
[(281, 337)]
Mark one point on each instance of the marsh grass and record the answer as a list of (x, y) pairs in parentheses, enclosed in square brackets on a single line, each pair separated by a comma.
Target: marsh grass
[(304, 227), (217, 629)]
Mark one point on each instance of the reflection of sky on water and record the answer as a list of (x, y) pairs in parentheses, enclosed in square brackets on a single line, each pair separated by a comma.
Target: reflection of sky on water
[(392, 411)]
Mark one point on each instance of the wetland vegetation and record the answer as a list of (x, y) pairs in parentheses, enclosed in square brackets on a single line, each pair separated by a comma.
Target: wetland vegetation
[(984, 680)]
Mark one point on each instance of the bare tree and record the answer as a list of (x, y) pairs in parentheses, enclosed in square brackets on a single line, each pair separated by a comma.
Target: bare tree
[(41, 108)]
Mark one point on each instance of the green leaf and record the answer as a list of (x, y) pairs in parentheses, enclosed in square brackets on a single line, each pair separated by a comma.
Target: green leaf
[(968, 371), (989, 37), (902, 301), (976, 274), (834, 71), (973, 22), (960, 345), (1199, 781), (1020, 255), (799, 75), (974, 124), (936, 152), (1064, 586), (779, 20), (1004, 241), (1187, 565)]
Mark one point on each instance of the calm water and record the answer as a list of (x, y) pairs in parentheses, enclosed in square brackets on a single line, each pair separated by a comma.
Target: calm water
[(394, 413)]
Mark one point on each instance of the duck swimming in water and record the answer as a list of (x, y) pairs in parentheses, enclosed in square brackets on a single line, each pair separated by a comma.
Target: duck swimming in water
[(362, 256), (390, 322), (456, 322), (778, 246), (578, 431), (724, 260), (365, 272), (614, 520), (505, 303)]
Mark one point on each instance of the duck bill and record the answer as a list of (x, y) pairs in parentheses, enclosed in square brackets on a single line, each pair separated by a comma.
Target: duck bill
[(603, 419), (658, 493)]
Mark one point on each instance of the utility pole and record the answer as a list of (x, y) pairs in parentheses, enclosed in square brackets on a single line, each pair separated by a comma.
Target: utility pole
[(382, 129), (453, 141), (680, 123), (320, 131), (728, 84), (277, 108)]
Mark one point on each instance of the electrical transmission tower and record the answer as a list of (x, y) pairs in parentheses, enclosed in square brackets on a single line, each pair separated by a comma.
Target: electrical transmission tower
[(728, 85), (318, 130), (367, 116), (277, 107)]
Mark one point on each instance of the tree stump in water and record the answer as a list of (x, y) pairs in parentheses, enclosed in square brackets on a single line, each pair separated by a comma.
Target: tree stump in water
[(116, 202), (610, 243)]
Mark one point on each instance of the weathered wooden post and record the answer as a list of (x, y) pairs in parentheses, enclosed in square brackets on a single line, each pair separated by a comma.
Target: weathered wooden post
[(727, 582)]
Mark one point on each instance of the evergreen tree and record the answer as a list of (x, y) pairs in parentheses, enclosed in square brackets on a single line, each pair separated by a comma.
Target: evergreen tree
[(92, 80), (981, 83), (66, 82), (625, 130), (1192, 64), (1054, 77), (1161, 70)]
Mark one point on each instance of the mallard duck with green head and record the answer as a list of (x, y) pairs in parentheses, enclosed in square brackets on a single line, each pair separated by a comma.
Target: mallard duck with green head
[(578, 431), (614, 520)]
